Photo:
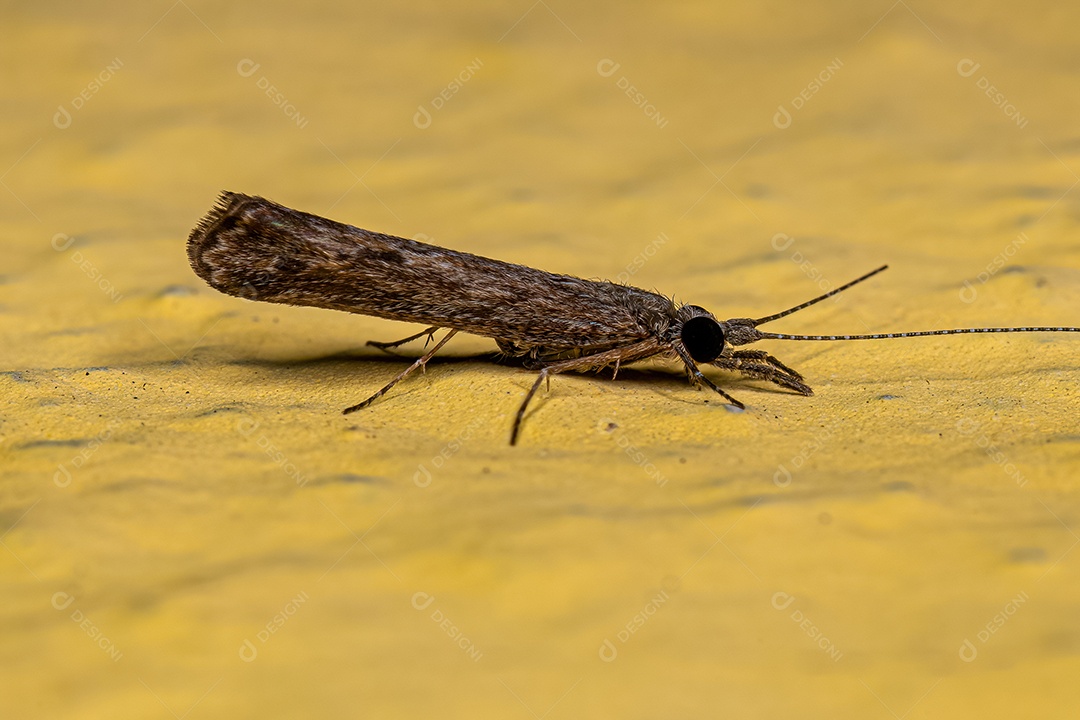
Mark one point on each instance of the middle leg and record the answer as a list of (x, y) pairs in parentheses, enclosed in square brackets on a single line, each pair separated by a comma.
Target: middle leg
[(629, 353)]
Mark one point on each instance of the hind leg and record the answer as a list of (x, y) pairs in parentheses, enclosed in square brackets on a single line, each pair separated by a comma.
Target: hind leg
[(430, 332), (420, 363)]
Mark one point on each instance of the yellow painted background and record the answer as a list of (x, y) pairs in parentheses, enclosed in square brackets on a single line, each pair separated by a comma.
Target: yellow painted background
[(177, 478)]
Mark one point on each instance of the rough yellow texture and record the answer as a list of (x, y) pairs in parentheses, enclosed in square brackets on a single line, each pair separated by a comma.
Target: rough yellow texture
[(191, 527)]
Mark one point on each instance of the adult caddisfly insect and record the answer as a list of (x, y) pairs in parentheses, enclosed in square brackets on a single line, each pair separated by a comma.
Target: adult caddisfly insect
[(259, 250)]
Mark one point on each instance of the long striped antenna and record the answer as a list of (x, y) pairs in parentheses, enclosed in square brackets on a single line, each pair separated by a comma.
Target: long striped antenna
[(759, 335), (918, 333), (826, 296)]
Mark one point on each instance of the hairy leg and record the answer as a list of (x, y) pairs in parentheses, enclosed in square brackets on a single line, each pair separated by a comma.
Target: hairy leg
[(420, 363), (430, 332), (762, 356), (698, 378), (627, 354), (765, 368)]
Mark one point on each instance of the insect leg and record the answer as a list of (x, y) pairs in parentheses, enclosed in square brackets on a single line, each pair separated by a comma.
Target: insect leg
[(760, 365), (697, 376), (430, 332), (627, 353), (766, 358), (763, 371), (420, 362), (544, 375)]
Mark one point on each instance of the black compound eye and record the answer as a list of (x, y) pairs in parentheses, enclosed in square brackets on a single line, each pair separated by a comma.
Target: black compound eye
[(703, 338)]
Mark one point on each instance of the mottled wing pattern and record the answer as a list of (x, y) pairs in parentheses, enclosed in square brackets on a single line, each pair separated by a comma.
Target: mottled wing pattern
[(256, 249)]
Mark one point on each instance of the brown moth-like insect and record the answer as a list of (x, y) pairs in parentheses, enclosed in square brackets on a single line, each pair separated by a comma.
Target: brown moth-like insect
[(256, 249)]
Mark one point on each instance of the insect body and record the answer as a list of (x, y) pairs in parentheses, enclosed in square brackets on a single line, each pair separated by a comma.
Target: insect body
[(256, 249)]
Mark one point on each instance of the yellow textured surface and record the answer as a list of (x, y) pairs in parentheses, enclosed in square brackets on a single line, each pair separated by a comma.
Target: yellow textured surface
[(190, 527)]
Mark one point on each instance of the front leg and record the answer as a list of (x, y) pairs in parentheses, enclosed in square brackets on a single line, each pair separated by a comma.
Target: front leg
[(698, 378), (762, 356), (750, 364)]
